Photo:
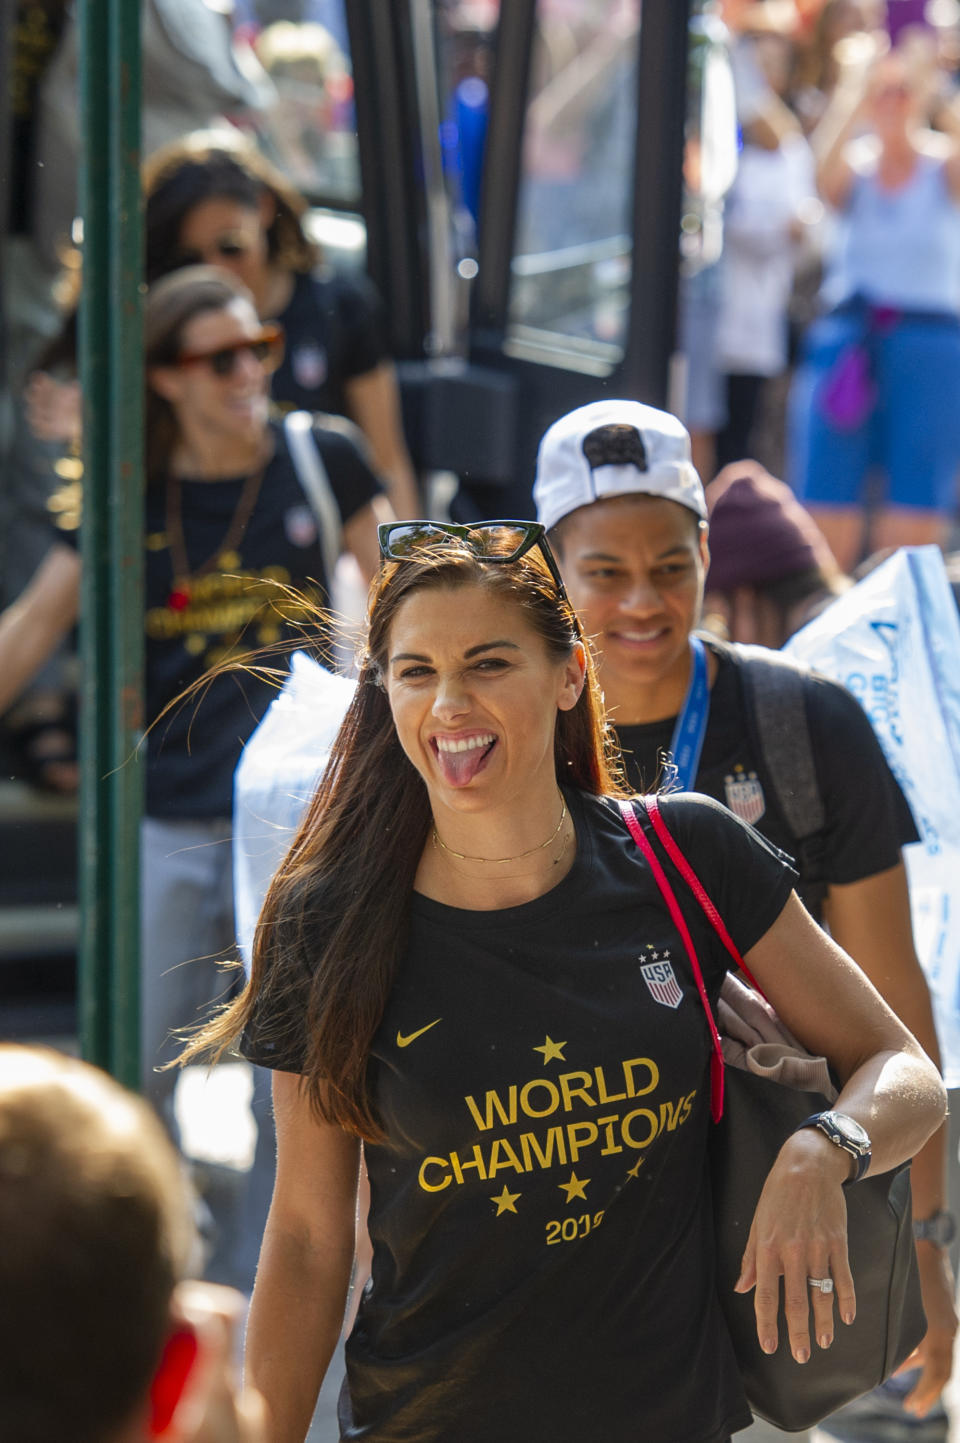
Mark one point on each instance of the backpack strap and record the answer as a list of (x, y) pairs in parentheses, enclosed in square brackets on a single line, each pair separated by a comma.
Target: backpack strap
[(775, 689), (776, 704), (315, 484)]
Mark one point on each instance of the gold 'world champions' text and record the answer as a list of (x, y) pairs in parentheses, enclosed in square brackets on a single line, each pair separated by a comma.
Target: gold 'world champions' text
[(612, 1129)]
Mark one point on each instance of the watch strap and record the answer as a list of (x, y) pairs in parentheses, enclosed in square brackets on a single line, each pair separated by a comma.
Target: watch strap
[(860, 1155), (939, 1229)]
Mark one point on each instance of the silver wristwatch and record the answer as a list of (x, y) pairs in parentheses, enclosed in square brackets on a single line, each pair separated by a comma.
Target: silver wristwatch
[(846, 1133)]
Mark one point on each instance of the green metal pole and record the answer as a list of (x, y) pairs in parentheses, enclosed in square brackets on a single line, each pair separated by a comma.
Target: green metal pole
[(127, 528), (94, 950), (112, 604)]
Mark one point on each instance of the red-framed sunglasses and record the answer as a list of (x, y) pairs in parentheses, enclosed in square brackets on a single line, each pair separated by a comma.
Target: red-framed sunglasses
[(266, 347)]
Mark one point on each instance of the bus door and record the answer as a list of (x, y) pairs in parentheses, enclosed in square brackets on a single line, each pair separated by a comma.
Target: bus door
[(574, 295), (510, 176)]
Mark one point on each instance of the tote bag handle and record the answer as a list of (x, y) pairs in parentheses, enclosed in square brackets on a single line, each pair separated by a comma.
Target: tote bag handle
[(679, 921)]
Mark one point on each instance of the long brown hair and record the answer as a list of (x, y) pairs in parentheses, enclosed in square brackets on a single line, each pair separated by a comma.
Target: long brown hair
[(170, 304), (334, 921)]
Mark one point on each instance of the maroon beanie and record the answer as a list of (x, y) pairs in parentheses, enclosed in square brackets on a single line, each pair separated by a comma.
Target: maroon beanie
[(759, 532)]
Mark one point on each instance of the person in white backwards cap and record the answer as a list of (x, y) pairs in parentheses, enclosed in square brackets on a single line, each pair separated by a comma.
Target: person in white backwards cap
[(789, 752)]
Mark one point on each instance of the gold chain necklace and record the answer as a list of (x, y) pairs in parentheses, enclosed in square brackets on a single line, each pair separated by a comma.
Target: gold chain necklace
[(502, 861), (225, 555)]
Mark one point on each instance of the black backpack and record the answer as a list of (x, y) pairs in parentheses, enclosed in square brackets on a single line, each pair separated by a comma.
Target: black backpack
[(780, 736)]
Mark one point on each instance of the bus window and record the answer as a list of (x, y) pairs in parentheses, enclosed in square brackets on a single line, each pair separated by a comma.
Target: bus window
[(466, 31), (571, 268), (310, 131)]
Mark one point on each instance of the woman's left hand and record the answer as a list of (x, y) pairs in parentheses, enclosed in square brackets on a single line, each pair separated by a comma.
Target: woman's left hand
[(799, 1231)]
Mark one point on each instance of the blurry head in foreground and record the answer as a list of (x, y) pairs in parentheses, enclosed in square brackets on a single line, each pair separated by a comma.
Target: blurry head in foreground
[(97, 1345), (771, 569)]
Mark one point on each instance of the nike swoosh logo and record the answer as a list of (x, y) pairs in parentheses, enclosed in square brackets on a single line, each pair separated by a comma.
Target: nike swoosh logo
[(412, 1037)]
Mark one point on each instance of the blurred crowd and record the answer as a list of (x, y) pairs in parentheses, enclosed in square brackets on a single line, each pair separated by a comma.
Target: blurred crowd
[(820, 246), (824, 339)]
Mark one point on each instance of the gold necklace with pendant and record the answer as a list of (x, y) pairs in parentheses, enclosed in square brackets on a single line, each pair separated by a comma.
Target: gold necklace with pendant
[(224, 557)]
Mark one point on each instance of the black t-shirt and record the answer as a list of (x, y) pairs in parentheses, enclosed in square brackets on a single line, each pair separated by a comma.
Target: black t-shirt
[(867, 817), (540, 1215), (334, 332), (238, 606)]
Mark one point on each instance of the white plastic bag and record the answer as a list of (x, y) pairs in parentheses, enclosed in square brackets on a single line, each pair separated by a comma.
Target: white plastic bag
[(894, 642), (275, 779)]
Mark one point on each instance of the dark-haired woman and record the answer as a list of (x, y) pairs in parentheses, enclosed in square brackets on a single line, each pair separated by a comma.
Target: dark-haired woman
[(214, 199), (453, 965), (229, 529), (211, 198)]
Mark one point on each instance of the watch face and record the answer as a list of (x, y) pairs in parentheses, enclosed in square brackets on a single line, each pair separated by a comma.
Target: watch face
[(847, 1131)]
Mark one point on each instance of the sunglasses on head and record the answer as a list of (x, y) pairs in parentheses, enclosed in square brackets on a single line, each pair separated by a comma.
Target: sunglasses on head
[(497, 541), (267, 348)]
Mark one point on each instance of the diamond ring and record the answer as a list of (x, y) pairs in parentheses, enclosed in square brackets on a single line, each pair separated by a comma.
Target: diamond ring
[(824, 1284)]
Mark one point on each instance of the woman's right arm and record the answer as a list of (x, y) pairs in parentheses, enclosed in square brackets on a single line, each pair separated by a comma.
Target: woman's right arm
[(304, 1272), (32, 626), (840, 122)]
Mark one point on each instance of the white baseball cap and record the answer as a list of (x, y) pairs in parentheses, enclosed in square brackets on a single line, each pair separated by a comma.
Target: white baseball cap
[(614, 448)]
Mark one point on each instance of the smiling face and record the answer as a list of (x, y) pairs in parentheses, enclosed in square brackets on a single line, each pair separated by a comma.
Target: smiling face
[(230, 407), (634, 568), (474, 693)]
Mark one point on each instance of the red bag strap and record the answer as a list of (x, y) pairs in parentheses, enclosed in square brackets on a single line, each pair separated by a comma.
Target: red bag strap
[(673, 851), (673, 906)]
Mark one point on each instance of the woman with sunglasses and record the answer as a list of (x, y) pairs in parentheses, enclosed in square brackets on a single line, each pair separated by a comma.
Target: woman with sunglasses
[(464, 964), (211, 198), (231, 543)]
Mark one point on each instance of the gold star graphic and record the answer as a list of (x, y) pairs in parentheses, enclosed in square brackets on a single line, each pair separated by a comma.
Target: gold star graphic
[(551, 1050), (506, 1202), (636, 1168), (576, 1187)]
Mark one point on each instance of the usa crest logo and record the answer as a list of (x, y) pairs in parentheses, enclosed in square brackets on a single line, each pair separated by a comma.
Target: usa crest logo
[(745, 796), (300, 526), (309, 365), (661, 981)]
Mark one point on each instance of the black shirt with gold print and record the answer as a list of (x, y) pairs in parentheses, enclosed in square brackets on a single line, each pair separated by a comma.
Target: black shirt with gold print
[(229, 599), (540, 1214)]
